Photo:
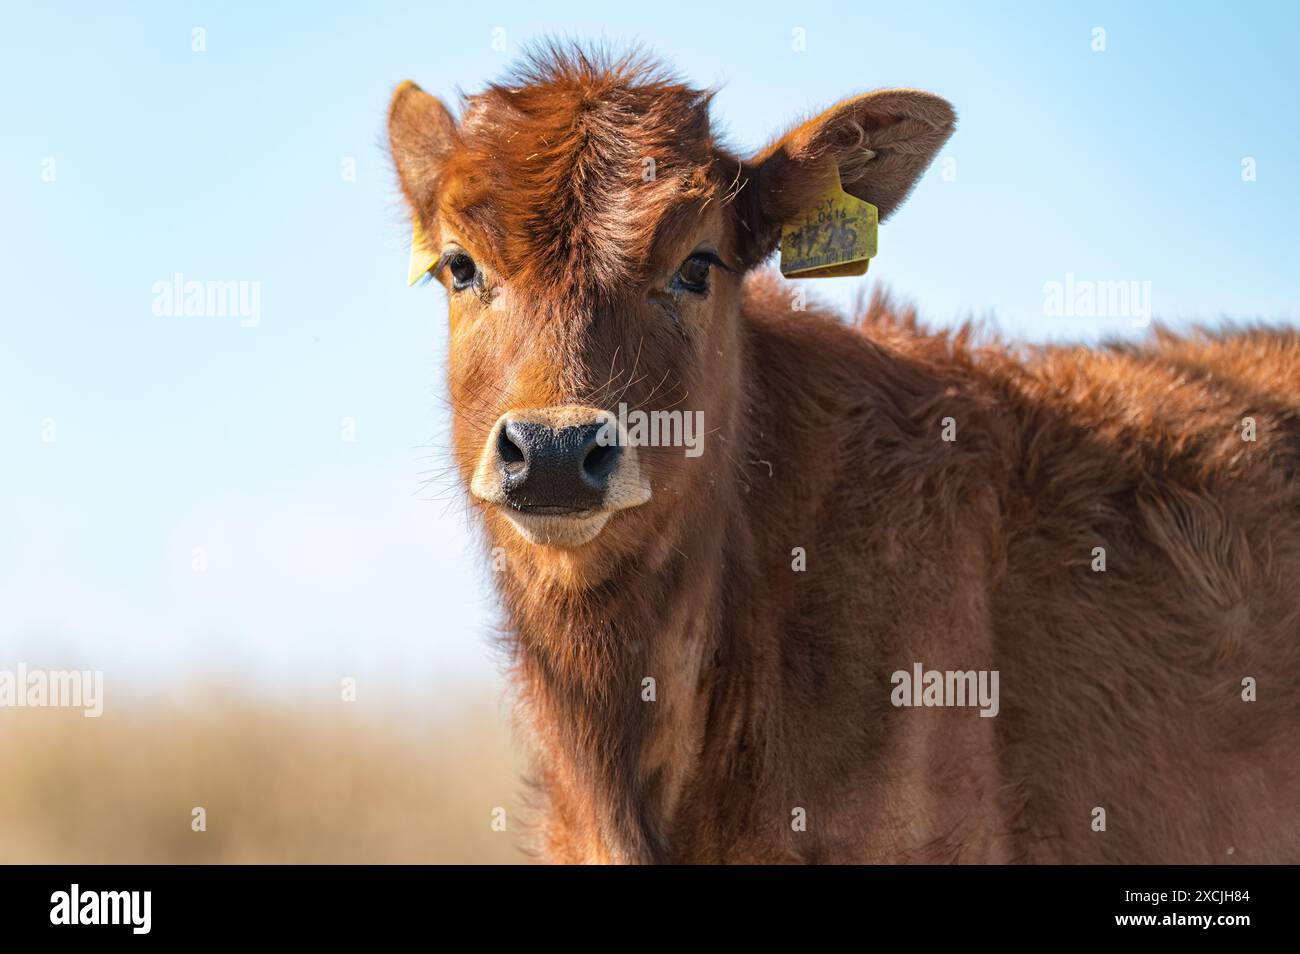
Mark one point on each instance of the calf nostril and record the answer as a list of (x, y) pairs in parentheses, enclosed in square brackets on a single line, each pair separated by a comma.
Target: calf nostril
[(512, 455), (600, 461)]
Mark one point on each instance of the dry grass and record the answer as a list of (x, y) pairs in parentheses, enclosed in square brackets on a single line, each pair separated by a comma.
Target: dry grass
[(280, 783)]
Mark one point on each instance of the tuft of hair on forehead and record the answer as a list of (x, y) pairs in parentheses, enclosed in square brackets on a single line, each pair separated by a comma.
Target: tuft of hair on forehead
[(551, 62), (572, 167)]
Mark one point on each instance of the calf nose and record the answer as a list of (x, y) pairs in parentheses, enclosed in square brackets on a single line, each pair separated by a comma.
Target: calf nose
[(554, 469)]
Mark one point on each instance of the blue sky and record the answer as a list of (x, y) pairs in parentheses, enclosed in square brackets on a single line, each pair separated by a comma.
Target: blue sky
[(328, 557)]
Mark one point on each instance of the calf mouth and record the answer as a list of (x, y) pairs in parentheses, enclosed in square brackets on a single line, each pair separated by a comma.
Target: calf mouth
[(556, 527)]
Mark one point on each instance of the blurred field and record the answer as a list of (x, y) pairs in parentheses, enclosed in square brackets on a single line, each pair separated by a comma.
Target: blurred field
[(281, 782)]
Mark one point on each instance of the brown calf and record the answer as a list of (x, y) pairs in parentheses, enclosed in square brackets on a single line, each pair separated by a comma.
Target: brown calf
[(710, 648)]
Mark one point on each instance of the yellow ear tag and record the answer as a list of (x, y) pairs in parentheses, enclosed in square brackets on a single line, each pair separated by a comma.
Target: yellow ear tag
[(422, 257), (836, 236)]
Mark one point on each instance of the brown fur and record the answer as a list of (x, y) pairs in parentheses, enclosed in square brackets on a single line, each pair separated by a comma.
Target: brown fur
[(1119, 689)]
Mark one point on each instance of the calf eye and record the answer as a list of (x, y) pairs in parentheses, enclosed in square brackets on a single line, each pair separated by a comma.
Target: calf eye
[(693, 275), (463, 271)]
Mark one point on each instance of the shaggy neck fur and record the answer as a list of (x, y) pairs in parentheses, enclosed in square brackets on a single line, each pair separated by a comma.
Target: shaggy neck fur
[(700, 612)]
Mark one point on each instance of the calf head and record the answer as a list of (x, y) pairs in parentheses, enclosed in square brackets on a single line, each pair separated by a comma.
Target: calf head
[(592, 236)]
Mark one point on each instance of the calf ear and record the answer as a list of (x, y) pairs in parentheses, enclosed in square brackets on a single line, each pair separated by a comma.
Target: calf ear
[(421, 132), (879, 142)]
